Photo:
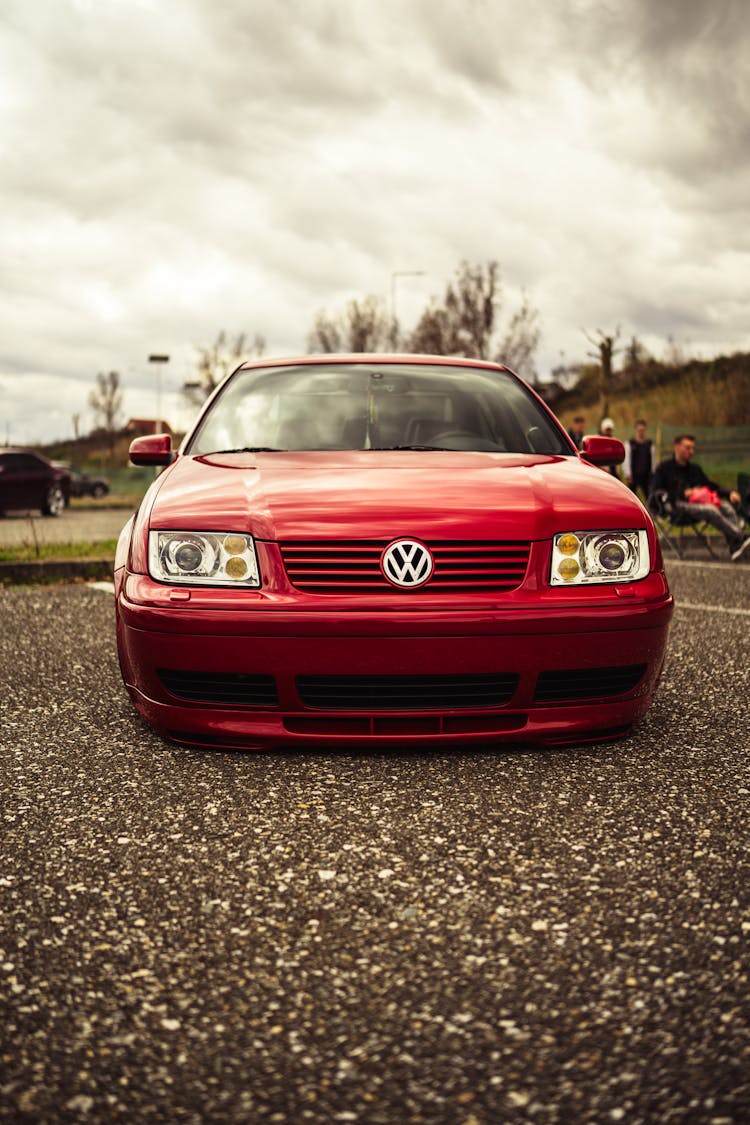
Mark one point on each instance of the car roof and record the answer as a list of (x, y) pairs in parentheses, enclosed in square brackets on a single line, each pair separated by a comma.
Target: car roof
[(373, 357)]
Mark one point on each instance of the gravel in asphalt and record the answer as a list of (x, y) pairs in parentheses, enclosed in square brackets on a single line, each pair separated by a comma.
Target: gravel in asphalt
[(470, 937)]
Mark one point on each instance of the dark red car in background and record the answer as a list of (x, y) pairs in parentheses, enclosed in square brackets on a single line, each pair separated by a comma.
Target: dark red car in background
[(387, 550), (29, 481)]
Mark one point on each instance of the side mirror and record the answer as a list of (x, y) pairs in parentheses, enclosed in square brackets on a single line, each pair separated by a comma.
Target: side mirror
[(602, 450), (154, 449)]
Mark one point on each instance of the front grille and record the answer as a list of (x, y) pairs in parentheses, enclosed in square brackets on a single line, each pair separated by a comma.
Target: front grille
[(586, 683), (346, 567), (234, 689), (406, 693)]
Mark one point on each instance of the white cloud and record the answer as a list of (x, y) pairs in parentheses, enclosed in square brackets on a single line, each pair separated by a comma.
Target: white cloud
[(173, 169)]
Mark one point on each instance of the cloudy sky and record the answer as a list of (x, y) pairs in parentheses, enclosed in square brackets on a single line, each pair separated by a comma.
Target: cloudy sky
[(175, 168)]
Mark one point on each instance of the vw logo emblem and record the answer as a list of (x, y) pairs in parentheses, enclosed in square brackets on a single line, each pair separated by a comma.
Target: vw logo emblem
[(407, 564)]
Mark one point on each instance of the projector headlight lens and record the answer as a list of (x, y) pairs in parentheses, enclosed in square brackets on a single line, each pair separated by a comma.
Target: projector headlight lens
[(585, 557)]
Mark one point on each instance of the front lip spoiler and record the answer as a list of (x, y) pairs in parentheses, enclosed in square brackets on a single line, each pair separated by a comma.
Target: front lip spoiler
[(270, 730)]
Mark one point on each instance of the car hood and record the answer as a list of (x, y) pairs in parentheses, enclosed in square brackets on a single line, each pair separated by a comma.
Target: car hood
[(386, 494)]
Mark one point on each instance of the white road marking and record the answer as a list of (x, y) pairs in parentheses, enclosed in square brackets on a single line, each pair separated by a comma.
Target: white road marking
[(693, 564), (713, 608), (106, 587)]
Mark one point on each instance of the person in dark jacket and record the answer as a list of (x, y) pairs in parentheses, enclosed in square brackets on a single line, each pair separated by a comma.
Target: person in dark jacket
[(577, 430), (638, 466), (678, 476)]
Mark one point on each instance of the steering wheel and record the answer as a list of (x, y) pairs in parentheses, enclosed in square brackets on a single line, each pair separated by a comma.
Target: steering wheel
[(466, 439), (454, 434)]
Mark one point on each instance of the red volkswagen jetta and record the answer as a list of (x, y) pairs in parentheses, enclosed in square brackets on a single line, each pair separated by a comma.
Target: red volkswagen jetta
[(386, 550)]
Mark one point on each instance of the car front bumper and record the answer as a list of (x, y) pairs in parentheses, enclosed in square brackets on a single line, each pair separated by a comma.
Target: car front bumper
[(586, 645)]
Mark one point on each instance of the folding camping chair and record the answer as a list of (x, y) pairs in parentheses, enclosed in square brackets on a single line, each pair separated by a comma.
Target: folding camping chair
[(743, 487), (677, 530)]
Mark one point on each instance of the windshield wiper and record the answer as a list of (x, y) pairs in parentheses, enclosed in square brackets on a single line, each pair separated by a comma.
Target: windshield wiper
[(419, 448), (251, 449)]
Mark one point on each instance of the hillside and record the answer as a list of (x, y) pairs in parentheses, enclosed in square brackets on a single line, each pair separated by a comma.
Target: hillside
[(710, 399), (697, 393)]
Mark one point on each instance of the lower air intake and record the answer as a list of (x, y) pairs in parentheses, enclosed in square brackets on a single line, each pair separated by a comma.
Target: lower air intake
[(574, 685), (233, 689), (406, 693)]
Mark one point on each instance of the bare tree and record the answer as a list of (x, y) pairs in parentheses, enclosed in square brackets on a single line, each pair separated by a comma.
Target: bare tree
[(521, 340), (468, 322), (434, 334), (674, 353), (368, 325), (326, 336), (636, 358), (605, 350), (106, 402), (363, 327), (217, 361), (463, 324)]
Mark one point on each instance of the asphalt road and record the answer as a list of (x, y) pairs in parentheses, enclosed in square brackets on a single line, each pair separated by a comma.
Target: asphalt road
[(469, 938), (74, 525)]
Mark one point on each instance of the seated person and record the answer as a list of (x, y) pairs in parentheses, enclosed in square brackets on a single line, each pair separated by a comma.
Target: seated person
[(678, 476)]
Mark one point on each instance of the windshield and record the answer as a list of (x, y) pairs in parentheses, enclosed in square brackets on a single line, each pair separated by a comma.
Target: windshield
[(376, 406)]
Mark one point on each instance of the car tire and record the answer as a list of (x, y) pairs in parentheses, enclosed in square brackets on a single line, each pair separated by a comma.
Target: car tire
[(98, 491), (54, 501)]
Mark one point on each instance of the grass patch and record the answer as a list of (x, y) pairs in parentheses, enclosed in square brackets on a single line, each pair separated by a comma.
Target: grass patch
[(91, 503), (28, 552)]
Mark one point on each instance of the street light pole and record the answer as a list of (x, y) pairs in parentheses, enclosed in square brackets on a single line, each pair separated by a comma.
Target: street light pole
[(394, 319), (159, 360)]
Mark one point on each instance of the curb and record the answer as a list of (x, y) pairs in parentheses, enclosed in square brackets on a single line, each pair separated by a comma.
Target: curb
[(55, 570)]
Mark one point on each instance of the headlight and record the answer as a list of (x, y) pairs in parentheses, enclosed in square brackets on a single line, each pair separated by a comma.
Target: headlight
[(203, 558), (581, 557)]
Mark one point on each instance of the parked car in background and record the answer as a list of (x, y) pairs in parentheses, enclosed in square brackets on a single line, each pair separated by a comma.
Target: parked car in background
[(387, 550), (29, 481), (83, 484)]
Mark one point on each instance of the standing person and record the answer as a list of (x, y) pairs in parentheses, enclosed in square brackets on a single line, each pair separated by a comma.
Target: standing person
[(640, 458), (577, 430), (679, 477), (607, 429)]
